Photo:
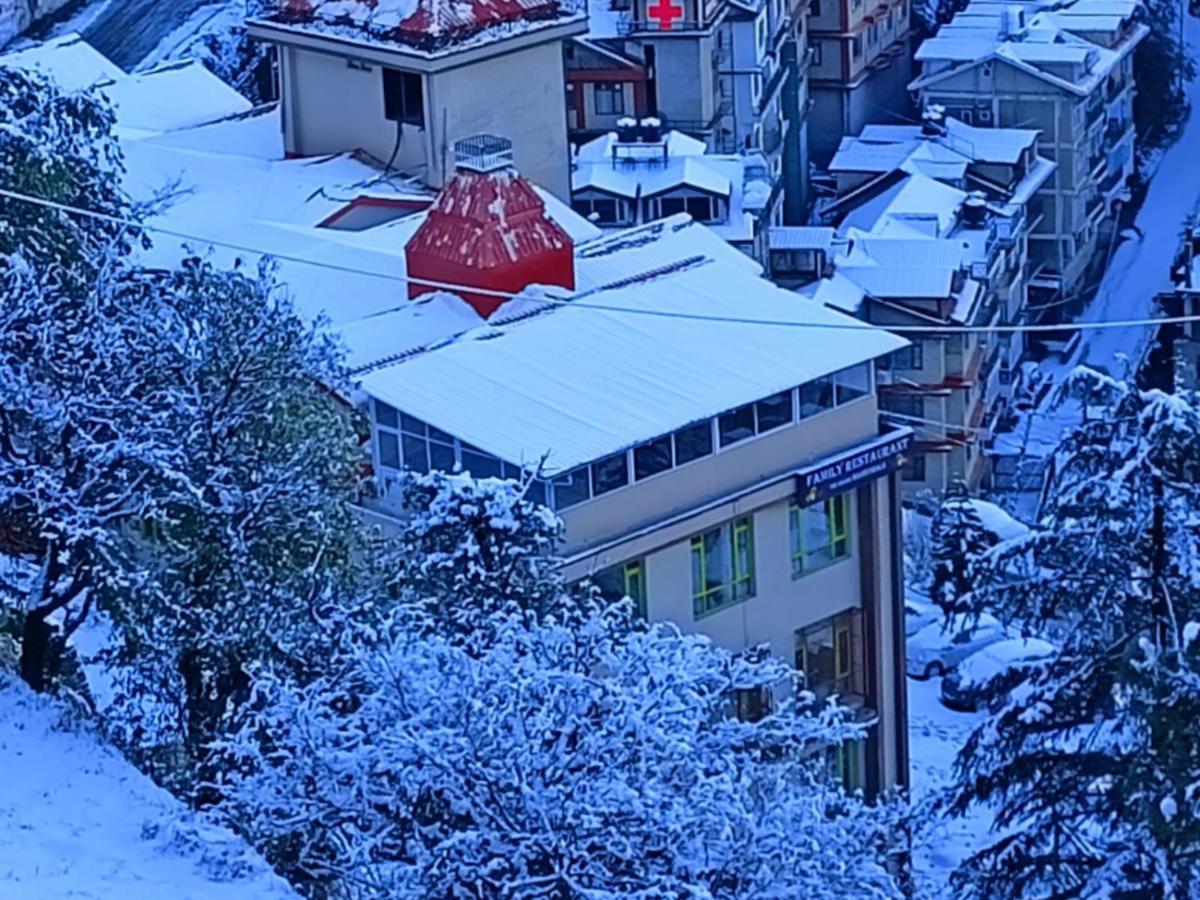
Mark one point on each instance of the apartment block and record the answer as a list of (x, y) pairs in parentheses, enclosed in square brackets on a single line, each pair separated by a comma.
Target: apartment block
[(404, 85), (932, 232), (750, 495), (1068, 73), (732, 74), (860, 63)]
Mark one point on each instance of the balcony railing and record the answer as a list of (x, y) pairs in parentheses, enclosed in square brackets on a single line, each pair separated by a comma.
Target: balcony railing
[(642, 26)]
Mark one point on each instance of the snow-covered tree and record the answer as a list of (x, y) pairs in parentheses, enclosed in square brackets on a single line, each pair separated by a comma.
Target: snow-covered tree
[(963, 531), (597, 759), (244, 547), (1161, 67), (472, 548), (1091, 763), (58, 146)]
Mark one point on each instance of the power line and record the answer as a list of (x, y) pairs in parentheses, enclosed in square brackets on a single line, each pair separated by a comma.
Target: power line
[(577, 301)]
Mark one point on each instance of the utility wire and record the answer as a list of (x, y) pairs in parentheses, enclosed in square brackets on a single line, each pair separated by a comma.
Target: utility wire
[(577, 301)]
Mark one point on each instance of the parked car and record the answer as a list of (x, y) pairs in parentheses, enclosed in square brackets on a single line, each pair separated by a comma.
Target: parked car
[(963, 689), (941, 645), (918, 612)]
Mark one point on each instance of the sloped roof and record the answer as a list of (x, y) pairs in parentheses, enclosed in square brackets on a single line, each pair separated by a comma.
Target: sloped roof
[(514, 389)]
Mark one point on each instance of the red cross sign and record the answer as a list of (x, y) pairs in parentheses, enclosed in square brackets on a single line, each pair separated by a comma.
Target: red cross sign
[(664, 12)]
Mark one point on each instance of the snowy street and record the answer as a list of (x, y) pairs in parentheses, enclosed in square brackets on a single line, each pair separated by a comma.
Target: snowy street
[(1140, 266)]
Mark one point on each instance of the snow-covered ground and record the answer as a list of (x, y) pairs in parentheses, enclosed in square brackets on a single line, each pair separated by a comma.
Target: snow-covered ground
[(935, 736), (78, 821)]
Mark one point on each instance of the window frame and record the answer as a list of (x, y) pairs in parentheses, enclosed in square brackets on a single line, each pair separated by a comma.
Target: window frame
[(614, 92), (709, 597), (839, 542), (402, 94)]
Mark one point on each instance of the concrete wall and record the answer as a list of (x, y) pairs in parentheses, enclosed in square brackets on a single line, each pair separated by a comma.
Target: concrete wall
[(333, 105)]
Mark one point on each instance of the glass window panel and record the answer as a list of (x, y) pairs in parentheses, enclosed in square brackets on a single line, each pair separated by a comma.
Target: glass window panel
[(536, 493), (441, 457), (853, 383), (416, 456), (736, 425), (816, 396), (386, 415), (436, 434), (571, 488), (652, 457), (693, 442), (411, 424), (669, 206), (389, 449), (480, 465), (610, 473), (774, 411)]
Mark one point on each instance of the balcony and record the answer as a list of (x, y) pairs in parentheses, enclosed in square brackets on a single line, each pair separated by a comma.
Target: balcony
[(771, 139), (771, 83), (1095, 109), (1114, 131)]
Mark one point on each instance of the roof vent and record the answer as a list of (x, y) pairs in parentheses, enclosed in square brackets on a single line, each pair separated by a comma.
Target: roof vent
[(933, 121), (483, 153), (974, 210)]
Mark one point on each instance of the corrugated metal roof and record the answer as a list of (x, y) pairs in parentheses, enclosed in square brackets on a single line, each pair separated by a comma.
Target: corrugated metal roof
[(578, 383), (800, 237)]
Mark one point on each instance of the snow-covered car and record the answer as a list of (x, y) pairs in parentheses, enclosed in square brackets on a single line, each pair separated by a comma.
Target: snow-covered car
[(918, 612), (940, 646), (963, 689)]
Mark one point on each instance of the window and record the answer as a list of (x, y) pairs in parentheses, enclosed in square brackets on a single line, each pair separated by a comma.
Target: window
[(751, 704), (872, 35), (736, 425), (626, 580), (913, 468), (814, 45), (820, 534), (609, 474), (856, 47), (773, 412), (814, 9), (693, 442), (423, 447), (571, 488), (652, 457), (912, 405), (389, 449), (828, 654), (604, 210), (403, 97), (722, 567), (702, 209), (846, 765), (816, 396), (610, 98), (911, 357), (853, 383)]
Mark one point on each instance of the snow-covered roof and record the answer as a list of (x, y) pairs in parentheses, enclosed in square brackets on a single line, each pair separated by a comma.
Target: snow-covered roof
[(635, 171), (1073, 47), (920, 203), (69, 60), (512, 388), (418, 26), (800, 237)]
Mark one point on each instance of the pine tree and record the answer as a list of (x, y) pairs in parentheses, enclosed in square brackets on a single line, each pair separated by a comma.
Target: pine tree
[(1161, 66), (1087, 760), (958, 539)]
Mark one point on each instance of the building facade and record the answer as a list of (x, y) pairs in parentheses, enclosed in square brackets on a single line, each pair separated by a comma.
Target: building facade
[(750, 496), (405, 90), (731, 74), (860, 63), (1069, 74)]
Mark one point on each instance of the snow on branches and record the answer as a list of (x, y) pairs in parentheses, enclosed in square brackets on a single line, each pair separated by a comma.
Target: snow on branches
[(598, 759)]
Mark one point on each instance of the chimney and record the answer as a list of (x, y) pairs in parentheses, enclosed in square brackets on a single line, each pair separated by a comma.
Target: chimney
[(974, 210), (932, 121), (488, 229)]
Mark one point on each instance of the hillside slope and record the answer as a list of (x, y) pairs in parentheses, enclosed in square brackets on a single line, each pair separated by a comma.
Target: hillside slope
[(78, 821)]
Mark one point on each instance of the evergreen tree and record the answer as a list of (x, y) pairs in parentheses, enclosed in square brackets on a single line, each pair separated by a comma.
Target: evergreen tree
[(1085, 760), (473, 548), (1161, 66), (958, 539)]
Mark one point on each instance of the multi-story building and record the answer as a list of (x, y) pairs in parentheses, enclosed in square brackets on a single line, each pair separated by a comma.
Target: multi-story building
[(749, 495), (1068, 73), (932, 232), (639, 173), (733, 74), (1174, 360), (861, 63), (403, 83)]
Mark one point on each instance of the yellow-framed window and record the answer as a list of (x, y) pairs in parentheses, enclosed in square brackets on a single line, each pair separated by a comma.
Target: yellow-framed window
[(820, 534), (633, 577), (722, 566), (843, 654)]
